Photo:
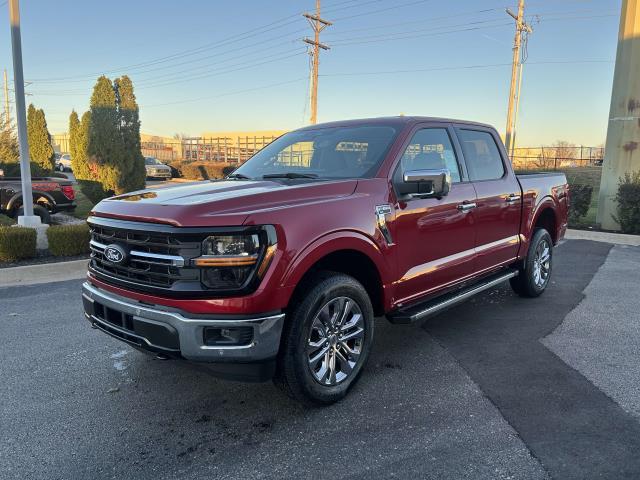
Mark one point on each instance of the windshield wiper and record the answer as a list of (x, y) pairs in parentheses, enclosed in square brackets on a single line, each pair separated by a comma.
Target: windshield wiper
[(238, 176), (290, 175)]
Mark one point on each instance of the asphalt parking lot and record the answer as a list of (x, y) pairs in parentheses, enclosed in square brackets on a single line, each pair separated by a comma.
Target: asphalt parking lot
[(498, 388)]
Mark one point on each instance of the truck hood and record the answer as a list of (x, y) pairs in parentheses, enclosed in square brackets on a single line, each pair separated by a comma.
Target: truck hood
[(218, 203)]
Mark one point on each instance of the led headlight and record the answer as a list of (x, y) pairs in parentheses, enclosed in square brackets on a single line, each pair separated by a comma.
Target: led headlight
[(234, 262)]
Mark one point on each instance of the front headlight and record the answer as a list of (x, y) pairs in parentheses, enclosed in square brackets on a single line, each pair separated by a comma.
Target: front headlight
[(229, 262)]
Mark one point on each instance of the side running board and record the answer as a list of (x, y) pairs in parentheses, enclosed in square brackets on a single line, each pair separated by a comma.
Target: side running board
[(436, 305)]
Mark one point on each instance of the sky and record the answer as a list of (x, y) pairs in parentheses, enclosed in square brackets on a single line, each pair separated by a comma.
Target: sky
[(222, 66)]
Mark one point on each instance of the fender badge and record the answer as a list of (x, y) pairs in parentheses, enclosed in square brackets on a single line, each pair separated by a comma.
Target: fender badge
[(381, 212)]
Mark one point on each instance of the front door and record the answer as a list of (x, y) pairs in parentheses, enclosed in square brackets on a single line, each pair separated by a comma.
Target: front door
[(435, 237), (499, 201)]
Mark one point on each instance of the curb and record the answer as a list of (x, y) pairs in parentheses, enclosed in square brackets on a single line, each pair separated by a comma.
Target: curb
[(43, 273), (606, 237)]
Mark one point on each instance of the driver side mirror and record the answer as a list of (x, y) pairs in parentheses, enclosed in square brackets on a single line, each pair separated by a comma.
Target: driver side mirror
[(434, 183)]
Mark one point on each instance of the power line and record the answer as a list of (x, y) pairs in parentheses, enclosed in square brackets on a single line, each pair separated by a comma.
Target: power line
[(216, 55), (424, 20), (237, 92), (384, 36), (372, 12), (179, 55), (398, 36), (461, 67)]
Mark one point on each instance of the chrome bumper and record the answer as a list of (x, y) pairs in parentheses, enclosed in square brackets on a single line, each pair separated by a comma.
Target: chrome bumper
[(179, 334)]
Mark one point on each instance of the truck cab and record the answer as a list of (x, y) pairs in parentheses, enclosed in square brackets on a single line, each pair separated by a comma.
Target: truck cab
[(278, 270)]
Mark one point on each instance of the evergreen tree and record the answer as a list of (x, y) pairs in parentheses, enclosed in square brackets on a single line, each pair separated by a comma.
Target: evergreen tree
[(74, 127), (132, 164), (78, 136), (40, 147), (9, 152), (104, 145)]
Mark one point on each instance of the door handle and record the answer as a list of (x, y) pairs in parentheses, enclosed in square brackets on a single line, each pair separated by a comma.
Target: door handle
[(466, 206), (512, 198)]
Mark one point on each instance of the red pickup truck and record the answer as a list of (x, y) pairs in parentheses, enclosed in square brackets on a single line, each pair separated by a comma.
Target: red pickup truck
[(278, 270)]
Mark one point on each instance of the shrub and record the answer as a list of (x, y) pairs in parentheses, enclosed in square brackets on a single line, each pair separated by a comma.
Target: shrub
[(67, 240), (17, 243), (203, 171), (628, 198), (93, 190), (12, 169), (580, 201), (176, 169)]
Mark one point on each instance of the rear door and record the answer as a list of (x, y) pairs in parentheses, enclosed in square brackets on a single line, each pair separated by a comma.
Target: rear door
[(435, 237), (499, 201)]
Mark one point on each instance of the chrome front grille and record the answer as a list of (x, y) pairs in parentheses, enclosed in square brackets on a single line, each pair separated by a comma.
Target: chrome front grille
[(154, 259)]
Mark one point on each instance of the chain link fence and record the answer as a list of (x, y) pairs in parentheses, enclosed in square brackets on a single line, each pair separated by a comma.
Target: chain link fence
[(556, 157)]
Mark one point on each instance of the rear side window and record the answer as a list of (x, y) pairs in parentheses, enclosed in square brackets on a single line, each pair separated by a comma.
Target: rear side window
[(481, 155)]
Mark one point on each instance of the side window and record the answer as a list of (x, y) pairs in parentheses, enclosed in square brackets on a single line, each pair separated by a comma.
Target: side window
[(481, 155), (431, 148)]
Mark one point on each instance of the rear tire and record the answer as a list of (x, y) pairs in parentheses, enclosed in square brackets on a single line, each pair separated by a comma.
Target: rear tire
[(326, 339), (43, 213), (535, 273)]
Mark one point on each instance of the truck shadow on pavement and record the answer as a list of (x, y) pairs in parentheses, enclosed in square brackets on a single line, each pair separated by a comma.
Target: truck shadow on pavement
[(569, 425)]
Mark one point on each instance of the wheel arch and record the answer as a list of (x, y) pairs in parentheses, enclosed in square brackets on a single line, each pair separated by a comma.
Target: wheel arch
[(546, 217), (15, 202), (352, 254)]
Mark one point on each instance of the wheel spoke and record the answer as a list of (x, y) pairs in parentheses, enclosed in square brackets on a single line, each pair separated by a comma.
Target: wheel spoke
[(313, 361), (355, 334), (355, 320), (332, 368), (345, 365), (345, 308)]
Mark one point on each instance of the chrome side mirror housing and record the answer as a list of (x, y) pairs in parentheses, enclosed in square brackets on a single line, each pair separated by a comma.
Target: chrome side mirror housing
[(434, 183)]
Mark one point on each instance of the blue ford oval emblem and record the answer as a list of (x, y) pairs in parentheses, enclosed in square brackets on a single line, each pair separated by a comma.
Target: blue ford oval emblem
[(115, 254)]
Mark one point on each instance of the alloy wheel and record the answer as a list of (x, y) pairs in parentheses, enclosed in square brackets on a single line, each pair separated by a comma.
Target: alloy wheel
[(542, 264), (335, 341)]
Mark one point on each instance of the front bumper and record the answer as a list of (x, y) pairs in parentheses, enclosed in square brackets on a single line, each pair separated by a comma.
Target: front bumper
[(159, 174), (174, 333)]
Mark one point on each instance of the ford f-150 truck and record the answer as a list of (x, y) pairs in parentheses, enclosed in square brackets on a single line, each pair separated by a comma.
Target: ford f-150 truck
[(278, 270), (50, 195)]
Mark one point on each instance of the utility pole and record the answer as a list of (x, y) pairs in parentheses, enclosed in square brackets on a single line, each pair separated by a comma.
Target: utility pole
[(522, 29), (318, 24), (7, 118), (622, 149), (28, 219)]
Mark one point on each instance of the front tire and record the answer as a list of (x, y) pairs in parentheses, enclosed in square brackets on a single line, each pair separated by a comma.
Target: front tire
[(326, 339), (535, 273)]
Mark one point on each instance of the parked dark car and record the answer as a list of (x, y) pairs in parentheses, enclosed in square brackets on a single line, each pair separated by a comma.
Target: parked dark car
[(50, 195), (278, 270)]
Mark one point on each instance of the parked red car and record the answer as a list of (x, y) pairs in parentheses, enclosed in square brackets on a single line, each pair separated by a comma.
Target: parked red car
[(278, 270)]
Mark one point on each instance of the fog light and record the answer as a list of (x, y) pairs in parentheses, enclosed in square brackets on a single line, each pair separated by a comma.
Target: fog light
[(230, 336)]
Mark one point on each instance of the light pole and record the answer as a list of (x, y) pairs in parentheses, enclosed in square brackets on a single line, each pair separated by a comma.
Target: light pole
[(28, 218)]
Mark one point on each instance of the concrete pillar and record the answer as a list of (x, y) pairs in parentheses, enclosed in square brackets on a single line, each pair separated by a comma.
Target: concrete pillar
[(622, 150)]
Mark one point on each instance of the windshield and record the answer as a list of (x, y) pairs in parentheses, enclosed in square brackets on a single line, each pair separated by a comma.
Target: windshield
[(151, 161), (333, 152)]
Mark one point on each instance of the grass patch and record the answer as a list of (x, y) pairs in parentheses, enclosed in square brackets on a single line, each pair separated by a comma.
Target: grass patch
[(84, 205)]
